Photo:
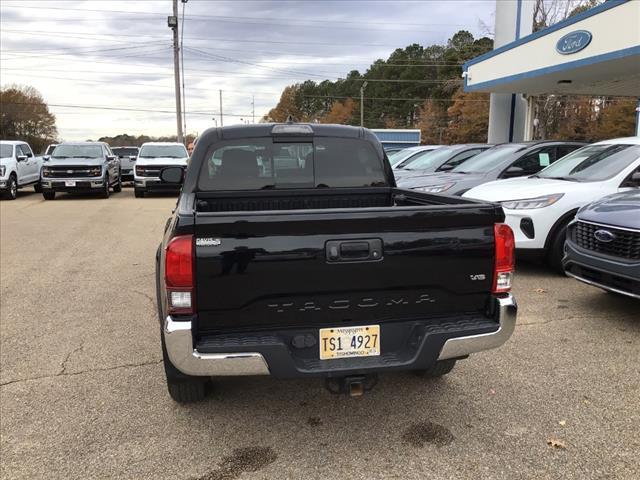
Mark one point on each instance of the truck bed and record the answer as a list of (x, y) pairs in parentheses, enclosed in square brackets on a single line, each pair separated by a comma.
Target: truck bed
[(263, 258), (317, 199)]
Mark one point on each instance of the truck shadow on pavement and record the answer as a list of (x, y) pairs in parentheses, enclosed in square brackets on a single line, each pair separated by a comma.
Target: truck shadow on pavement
[(410, 412)]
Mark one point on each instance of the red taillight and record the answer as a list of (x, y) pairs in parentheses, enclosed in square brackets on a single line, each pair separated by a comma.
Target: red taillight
[(178, 274), (505, 260)]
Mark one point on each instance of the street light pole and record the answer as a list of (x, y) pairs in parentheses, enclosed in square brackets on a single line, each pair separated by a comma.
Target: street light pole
[(364, 85), (173, 24)]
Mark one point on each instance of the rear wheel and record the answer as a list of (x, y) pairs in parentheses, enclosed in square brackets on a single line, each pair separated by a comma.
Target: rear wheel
[(182, 388), (49, 195), (139, 193), (440, 368)]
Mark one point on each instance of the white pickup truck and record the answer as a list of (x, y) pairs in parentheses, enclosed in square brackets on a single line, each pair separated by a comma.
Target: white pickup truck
[(19, 168)]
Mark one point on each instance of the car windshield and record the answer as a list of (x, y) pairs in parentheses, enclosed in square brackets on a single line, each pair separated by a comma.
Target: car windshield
[(77, 151), (125, 151), (261, 163), (50, 149), (430, 158), (6, 151), (166, 151), (487, 160), (401, 156), (592, 163)]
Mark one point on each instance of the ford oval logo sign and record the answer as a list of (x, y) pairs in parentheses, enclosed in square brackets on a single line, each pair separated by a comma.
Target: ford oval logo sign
[(573, 42), (604, 236)]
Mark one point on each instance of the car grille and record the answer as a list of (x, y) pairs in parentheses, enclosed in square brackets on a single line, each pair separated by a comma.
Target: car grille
[(69, 172), (626, 243), (151, 170)]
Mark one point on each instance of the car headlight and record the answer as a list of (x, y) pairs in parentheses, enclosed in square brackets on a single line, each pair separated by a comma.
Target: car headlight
[(3, 170), (46, 172), (95, 171), (139, 170), (529, 203), (435, 188)]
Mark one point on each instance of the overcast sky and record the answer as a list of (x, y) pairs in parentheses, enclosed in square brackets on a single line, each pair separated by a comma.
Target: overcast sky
[(118, 53)]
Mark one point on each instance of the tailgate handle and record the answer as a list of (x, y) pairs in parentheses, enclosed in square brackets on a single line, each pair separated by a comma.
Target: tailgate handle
[(354, 250)]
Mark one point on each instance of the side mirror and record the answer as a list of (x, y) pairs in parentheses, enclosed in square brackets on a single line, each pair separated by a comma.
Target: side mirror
[(513, 172), (46, 158), (173, 175), (445, 168), (133, 158), (111, 158), (21, 158), (633, 180)]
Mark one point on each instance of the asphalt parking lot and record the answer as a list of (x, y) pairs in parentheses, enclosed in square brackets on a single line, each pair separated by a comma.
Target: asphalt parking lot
[(83, 394)]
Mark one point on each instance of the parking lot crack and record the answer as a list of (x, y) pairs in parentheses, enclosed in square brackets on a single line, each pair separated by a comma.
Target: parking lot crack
[(63, 365), (147, 296), (82, 372)]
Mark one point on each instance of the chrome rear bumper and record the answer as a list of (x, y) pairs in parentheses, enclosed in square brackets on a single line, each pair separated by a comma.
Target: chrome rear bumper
[(179, 343)]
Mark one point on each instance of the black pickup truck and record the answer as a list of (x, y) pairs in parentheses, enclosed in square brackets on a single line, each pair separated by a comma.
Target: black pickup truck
[(291, 252)]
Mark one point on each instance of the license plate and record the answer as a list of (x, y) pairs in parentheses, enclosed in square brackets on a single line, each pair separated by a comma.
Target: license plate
[(69, 183), (345, 342)]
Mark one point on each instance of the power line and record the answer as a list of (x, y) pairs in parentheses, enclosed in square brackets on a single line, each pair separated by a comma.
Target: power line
[(322, 23), (125, 109), (208, 39)]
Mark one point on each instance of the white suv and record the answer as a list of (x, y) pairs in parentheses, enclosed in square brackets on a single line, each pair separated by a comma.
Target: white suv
[(19, 167), (153, 157), (538, 208)]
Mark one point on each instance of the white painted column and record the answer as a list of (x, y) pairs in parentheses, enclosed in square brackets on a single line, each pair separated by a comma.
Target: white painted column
[(508, 112), (638, 118)]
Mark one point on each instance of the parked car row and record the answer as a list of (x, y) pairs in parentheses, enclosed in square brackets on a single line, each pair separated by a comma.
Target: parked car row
[(541, 187), (87, 167)]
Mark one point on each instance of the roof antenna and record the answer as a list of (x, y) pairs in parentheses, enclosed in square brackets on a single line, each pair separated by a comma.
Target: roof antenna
[(290, 119)]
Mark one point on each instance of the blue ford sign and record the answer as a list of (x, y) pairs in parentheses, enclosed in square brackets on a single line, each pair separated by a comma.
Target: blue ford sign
[(573, 42)]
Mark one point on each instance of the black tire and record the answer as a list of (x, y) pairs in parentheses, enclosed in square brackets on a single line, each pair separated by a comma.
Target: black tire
[(12, 188), (440, 368), (49, 195), (556, 250), (139, 193), (117, 188), (38, 187), (182, 388), (105, 189)]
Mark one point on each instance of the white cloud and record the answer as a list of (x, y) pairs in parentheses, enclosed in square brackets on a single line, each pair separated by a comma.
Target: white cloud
[(121, 56)]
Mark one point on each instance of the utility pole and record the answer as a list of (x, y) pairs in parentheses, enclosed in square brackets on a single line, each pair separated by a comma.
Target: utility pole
[(173, 24), (221, 117), (184, 100), (364, 85), (253, 108)]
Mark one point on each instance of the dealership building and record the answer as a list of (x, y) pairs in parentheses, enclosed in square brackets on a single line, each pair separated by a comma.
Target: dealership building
[(596, 52)]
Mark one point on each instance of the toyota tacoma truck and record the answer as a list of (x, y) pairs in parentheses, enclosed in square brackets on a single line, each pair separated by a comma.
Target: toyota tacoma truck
[(291, 252)]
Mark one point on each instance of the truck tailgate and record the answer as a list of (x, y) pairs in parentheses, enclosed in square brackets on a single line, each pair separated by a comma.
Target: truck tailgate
[(278, 268)]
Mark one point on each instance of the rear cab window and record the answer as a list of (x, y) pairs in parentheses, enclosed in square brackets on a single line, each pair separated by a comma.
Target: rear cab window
[(264, 163)]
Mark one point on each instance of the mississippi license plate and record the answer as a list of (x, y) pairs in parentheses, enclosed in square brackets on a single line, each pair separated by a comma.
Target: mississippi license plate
[(347, 342), (69, 183)]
